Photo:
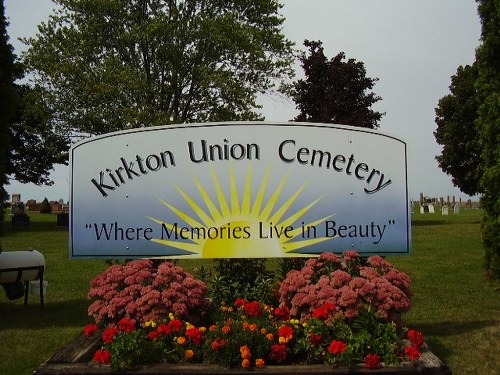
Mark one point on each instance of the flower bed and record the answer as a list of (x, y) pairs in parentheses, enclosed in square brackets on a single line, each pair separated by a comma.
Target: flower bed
[(335, 313)]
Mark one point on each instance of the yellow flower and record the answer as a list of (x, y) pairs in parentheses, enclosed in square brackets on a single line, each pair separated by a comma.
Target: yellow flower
[(282, 340), (150, 323), (189, 325), (171, 316), (188, 354), (203, 329)]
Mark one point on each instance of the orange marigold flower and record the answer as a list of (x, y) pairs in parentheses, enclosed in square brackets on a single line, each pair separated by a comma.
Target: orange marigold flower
[(253, 327), (213, 327), (188, 354), (260, 363), (245, 363), (226, 329), (263, 331), (270, 336), (245, 352), (181, 340), (202, 329)]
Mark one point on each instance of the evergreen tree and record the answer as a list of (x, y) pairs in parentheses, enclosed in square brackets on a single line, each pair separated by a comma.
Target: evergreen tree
[(488, 123), (45, 207), (8, 102)]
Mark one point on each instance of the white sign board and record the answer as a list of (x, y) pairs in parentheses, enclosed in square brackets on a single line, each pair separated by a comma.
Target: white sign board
[(239, 190)]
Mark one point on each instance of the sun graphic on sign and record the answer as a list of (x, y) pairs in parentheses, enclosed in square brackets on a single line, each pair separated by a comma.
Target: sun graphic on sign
[(235, 226)]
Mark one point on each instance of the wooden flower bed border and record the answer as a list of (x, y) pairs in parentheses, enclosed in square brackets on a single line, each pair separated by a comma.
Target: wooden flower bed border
[(75, 359)]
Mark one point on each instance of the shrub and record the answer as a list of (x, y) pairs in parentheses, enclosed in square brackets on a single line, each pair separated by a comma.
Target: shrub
[(351, 283), (241, 278), (141, 291)]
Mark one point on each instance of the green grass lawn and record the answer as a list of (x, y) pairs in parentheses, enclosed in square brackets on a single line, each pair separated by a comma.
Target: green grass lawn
[(456, 309)]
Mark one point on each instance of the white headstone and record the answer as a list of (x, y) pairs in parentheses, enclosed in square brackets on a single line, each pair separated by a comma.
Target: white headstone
[(431, 208), (444, 210), (456, 208)]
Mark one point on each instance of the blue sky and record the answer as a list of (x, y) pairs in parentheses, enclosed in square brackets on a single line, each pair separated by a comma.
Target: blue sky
[(413, 47)]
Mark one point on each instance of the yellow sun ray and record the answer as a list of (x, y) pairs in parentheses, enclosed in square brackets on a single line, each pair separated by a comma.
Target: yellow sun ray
[(266, 212), (241, 226)]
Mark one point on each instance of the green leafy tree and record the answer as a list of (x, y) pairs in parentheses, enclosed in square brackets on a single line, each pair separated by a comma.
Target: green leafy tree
[(335, 90), (8, 102), (456, 114), (118, 64), (36, 145), (488, 122)]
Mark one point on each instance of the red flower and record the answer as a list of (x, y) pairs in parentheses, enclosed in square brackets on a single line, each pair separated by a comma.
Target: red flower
[(126, 325), (286, 332), (278, 353), (176, 325), (109, 334), (164, 329), (315, 338), (372, 361), (412, 353), (102, 356), (416, 338), (195, 335), (153, 335), (90, 329), (253, 309), (337, 347), (239, 302), (282, 313), (324, 311)]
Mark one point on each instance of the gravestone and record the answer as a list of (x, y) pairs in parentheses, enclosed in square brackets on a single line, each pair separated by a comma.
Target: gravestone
[(19, 217), (444, 210), (456, 208), (431, 208)]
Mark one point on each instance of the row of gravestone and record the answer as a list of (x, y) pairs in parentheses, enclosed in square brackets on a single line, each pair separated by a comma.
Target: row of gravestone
[(21, 220), (445, 210)]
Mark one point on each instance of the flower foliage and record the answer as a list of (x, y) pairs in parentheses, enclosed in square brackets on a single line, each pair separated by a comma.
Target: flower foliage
[(353, 324), (142, 292), (240, 339), (351, 283)]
